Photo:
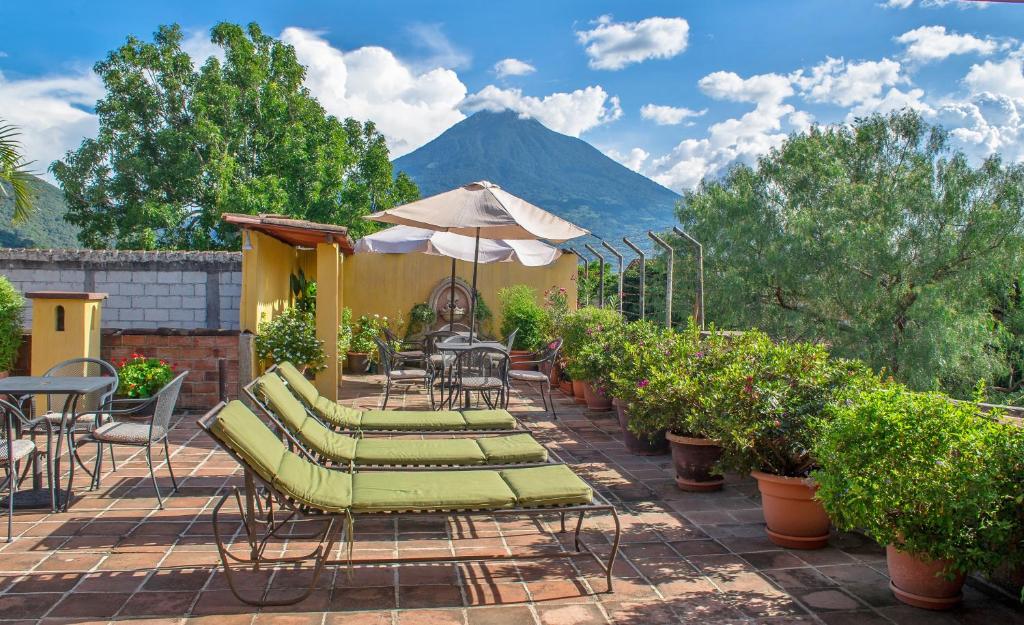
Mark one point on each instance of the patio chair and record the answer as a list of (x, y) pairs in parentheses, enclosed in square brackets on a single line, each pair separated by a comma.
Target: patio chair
[(437, 362), (548, 355), (406, 351), (482, 370), (283, 488), (14, 450), (145, 423), (394, 372), (339, 417), (320, 444)]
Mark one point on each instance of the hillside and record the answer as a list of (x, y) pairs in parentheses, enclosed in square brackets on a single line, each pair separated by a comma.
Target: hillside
[(562, 174), (46, 228)]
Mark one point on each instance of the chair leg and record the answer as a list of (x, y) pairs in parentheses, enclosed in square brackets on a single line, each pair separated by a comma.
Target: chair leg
[(152, 474), (12, 472), (98, 466), (387, 393), (551, 400), (170, 469), (113, 462)]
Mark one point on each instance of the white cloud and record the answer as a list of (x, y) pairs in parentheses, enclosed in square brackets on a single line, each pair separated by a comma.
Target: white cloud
[(906, 4), (634, 159), (567, 113), (845, 83), (409, 107), (614, 45), (441, 52), (985, 124), (933, 43), (53, 113), (513, 67), (668, 115), (759, 88), (1004, 77), (197, 44)]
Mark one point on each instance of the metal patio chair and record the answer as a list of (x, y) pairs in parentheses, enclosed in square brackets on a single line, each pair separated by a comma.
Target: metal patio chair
[(436, 362), (548, 355), (14, 450), (406, 351), (395, 373), (482, 370), (146, 422)]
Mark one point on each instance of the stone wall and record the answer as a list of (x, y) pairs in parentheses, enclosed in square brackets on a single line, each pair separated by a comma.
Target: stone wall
[(147, 290)]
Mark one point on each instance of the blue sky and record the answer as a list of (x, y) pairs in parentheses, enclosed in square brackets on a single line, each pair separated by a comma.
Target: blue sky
[(676, 90)]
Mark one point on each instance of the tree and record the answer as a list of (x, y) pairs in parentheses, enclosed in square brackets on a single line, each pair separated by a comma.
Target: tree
[(877, 238), (14, 172), (179, 145)]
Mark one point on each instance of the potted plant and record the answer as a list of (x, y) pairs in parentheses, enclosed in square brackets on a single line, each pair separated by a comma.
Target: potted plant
[(594, 361), (520, 310), (140, 377), (362, 349), (772, 396), (639, 349), (564, 378), (11, 306), (578, 329), (290, 336), (679, 394), (556, 302), (937, 482)]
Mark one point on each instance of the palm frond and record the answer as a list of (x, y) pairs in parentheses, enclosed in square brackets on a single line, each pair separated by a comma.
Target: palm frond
[(14, 172)]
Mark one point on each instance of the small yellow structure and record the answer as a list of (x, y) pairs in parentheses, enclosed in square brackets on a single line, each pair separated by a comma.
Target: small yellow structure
[(65, 325)]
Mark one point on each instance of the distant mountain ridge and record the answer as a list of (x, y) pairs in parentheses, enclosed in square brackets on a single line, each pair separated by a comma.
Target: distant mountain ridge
[(46, 227), (562, 174)]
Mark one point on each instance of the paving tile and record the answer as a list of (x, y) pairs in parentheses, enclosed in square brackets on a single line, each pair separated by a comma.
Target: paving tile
[(519, 615), (432, 596), (571, 615), (431, 617)]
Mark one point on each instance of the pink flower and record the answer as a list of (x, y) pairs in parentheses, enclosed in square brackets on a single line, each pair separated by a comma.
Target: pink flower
[(643, 383)]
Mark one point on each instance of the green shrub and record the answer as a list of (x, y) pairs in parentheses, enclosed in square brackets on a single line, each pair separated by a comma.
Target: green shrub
[(290, 336), (597, 356), (420, 317), (11, 307), (140, 377), (646, 358), (364, 331), (344, 331), (578, 322), (520, 309), (556, 302), (932, 477)]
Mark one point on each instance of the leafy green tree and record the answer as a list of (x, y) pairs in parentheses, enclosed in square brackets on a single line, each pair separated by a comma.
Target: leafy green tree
[(14, 172), (876, 238), (179, 145)]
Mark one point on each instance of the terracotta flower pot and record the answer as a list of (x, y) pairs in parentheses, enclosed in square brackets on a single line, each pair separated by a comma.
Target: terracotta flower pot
[(577, 391), (553, 376), (595, 398), (516, 358), (694, 460), (358, 362), (794, 518), (566, 387), (920, 583), (648, 445)]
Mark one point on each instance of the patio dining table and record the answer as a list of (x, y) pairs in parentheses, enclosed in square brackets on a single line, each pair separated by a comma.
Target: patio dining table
[(22, 389)]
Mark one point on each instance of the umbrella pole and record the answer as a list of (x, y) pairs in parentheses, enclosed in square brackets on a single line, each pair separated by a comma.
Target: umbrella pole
[(451, 303), (472, 299)]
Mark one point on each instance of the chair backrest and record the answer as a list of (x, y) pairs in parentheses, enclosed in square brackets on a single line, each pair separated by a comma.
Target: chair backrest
[(386, 355), (550, 352), (482, 361), (510, 341), (83, 367), (12, 419), (433, 338), (166, 399), (456, 338)]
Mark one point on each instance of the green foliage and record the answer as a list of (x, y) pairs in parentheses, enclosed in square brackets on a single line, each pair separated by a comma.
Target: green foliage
[(140, 377), (876, 239), (578, 322), (303, 292), (14, 172), (596, 356), (770, 397), (11, 307), (556, 303), (520, 309), (291, 336), (45, 226), (420, 317), (345, 331), (366, 328), (644, 356), (933, 477), (178, 146)]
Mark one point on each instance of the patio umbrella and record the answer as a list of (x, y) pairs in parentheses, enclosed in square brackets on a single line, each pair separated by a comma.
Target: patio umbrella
[(407, 239), (482, 210)]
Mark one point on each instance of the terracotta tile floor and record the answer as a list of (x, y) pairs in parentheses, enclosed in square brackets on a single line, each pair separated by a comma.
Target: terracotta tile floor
[(686, 558)]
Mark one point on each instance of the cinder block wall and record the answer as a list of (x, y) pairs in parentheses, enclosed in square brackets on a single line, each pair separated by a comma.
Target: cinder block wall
[(147, 290)]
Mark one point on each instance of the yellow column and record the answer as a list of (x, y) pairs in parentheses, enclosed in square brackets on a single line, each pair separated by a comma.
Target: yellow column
[(328, 312), (65, 325)]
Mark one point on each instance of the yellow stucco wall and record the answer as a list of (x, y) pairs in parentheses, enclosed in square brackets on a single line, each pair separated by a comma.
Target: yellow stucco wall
[(390, 284), (80, 337), (266, 279)]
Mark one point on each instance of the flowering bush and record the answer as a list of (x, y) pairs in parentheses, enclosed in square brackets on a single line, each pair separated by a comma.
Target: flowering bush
[(578, 328), (366, 328), (140, 377), (291, 336), (520, 310), (556, 302), (598, 353), (345, 330)]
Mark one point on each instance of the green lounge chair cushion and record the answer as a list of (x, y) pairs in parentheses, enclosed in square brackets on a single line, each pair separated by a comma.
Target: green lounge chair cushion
[(554, 485), (244, 433), (330, 411), (395, 491), (512, 449), (301, 386), (489, 419), (384, 451), (309, 430), (412, 420)]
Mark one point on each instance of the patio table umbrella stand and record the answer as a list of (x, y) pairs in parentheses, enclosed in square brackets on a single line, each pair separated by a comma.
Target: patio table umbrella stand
[(481, 210)]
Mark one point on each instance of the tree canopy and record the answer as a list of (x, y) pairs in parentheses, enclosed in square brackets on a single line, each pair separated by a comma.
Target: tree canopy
[(180, 145), (877, 238)]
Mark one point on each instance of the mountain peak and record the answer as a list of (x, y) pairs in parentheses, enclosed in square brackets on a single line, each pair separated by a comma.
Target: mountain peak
[(559, 173)]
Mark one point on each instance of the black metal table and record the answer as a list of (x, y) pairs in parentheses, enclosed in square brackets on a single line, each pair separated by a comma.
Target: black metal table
[(22, 389), (458, 347)]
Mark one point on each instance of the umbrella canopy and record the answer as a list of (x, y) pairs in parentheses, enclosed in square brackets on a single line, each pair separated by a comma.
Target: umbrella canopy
[(406, 239), (481, 209)]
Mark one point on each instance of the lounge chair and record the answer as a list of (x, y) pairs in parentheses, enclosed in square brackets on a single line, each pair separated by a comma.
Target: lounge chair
[(320, 444), (391, 421), (297, 490)]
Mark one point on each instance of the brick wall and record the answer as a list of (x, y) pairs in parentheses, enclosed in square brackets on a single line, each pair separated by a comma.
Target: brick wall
[(147, 290), (195, 350)]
